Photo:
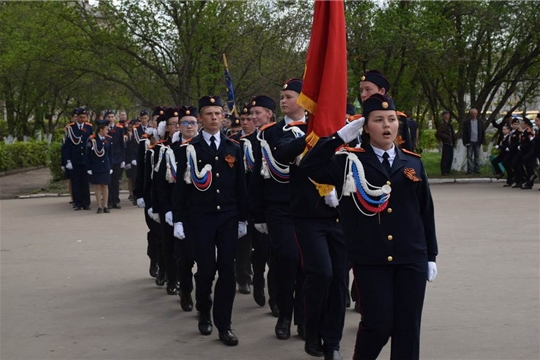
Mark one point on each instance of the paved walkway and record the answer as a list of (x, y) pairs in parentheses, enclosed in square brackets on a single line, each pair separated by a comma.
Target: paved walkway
[(75, 285), (26, 182)]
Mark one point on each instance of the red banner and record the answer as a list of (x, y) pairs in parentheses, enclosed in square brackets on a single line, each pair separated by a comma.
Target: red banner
[(324, 92)]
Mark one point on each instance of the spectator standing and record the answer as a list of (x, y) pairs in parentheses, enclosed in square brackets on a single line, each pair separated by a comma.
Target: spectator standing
[(446, 135), (473, 138)]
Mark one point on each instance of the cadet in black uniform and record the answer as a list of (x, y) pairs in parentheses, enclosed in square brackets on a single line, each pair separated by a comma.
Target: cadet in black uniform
[(64, 149), (142, 196), (78, 134), (270, 202), (99, 163), (262, 115), (389, 226), (503, 152), (323, 252), (512, 150), (116, 132), (210, 198)]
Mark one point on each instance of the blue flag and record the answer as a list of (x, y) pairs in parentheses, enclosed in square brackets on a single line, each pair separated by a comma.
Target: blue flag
[(230, 91)]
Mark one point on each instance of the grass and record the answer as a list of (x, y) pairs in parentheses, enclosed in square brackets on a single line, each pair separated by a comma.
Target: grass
[(432, 164)]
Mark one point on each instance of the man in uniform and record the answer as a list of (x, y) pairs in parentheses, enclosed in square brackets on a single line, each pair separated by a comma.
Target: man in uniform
[(118, 148), (210, 198), (270, 202), (78, 134), (64, 149)]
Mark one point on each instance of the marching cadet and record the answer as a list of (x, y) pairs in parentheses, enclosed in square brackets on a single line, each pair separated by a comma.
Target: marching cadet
[(67, 172), (528, 159), (137, 131), (235, 126), (116, 132), (210, 198), (77, 135), (512, 150), (502, 146), (99, 162), (270, 205), (142, 195), (263, 114), (131, 154), (523, 148), (322, 245), (535, 151), (389, 225)]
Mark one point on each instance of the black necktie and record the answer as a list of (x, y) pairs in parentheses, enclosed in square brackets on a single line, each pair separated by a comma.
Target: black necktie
[(385, 162), (213, 143)]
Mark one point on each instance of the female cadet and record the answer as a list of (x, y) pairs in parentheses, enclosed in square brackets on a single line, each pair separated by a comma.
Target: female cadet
[(99, 160), (389, 226)]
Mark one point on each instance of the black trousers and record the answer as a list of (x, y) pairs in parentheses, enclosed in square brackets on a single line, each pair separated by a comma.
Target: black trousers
[(286, 259), (210, 231), (260, 257), (153, 237), (391, 301), (168, 249), (114, 188), (499, 159), (324, 261), (80, 186), (242, 261), (446, 159), (184, 263), (509, 167), (519, 170)]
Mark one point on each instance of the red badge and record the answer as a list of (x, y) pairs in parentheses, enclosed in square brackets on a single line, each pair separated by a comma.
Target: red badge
[(230, 160), (411, 174)]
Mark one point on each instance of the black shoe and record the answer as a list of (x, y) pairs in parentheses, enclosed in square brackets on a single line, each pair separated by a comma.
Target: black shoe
[(275, 310), (99, 211), (258, 296), (526, 187), (348, 300), (517, 185), (244, 289), (134, 203), (507, 185), (161, 278), (77, 208), (71, 202), (116, 206), (301, 331), (283, 328), (154, 269), (130, 198), (332, 355), (205, 323), (228, 337), (314, 347), (172, 289), (186, 302), (86, 208), (106, 210)]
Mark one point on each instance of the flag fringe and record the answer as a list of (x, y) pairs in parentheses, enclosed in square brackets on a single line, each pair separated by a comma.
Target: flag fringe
[(308, 104)]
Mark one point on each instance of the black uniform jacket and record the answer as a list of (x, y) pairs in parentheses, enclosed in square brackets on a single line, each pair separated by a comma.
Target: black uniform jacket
[(227, 191), (306, 202), (405, 231)]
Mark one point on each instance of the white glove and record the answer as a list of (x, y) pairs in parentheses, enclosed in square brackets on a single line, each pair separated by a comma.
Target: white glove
[(134, 162), (89, 172), (69, 165), (63, 168), (350, 131), (127, 167), (123, 165), (262, 228), (168, 218), (507, 149), (467, 145), (331, 199), (153, 215), (432, 270), (519, 147), (496, 146), (179, 231), (242, 229), (140, 203), (110, 171)]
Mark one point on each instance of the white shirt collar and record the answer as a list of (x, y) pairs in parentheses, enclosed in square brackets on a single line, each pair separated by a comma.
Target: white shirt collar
[(391, 153), (288, 120), (207, 137)]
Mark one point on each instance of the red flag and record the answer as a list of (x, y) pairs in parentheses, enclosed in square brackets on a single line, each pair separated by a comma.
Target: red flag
[(324, 92)]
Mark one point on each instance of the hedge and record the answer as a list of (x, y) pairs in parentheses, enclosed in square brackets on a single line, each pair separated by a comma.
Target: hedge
[(427, 140), (23, 154), (55, 159)]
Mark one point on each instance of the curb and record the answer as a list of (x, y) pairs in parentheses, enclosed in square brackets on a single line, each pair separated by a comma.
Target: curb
[(36, 196), (19, 171)]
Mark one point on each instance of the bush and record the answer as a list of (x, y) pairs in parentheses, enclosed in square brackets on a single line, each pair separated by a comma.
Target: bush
[(23, 154), (427, 140), (55, 161)]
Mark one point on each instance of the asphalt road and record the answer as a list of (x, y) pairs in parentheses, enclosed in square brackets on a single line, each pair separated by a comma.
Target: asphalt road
[(75, 285)]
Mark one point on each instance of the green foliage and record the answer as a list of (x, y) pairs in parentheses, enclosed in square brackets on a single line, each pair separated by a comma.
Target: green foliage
[(55, 161), (23, 154), (427, 140)]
